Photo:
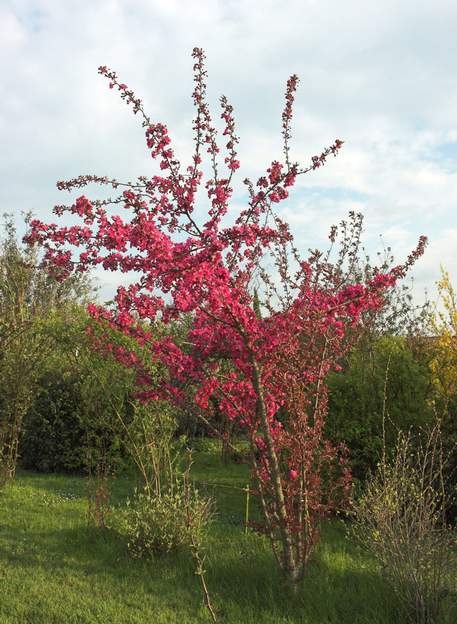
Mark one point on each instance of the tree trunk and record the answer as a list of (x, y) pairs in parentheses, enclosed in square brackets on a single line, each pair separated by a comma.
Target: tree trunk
[(290, 567)]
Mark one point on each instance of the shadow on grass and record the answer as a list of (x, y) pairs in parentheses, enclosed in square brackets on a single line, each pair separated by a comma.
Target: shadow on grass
[(242, 578), (339, 588), (341, 585), (98, 561), (250, 584)]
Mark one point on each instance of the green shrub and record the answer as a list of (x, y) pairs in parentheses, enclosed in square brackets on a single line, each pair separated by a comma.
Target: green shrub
[(59, 436), (158, 524), (380, 375), (53, 438)]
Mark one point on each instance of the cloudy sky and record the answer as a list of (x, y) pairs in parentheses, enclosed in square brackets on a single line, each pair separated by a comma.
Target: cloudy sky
[(379, 74)]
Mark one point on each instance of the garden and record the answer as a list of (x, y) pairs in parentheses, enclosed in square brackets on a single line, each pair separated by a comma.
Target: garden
[(246, 432)]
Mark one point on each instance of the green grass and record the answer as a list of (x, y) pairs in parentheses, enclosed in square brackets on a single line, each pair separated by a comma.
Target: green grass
[(54, 569)]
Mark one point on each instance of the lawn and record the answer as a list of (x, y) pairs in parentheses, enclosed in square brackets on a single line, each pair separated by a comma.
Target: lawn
[(55, 569)]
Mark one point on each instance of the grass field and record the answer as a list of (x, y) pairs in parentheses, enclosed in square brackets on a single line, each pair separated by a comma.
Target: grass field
[(54, 569)]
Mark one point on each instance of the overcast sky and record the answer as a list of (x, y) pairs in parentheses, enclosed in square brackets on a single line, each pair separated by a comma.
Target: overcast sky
[(380, 75)]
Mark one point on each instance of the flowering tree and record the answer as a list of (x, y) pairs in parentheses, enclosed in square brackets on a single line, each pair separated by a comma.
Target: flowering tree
[(266, 363)]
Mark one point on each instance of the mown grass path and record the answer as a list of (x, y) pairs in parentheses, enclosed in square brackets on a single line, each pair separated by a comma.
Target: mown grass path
[(54, 569)]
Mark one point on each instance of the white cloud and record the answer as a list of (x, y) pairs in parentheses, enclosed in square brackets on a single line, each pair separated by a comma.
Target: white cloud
[(379, 75), (12, 34)]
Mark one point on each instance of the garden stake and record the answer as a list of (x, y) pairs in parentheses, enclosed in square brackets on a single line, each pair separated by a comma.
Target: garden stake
[(246, 518)]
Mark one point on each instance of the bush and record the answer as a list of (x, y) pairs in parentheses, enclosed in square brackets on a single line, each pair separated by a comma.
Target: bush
[(52, 437), (57, 434), (156, 524), (383, 375), (401, 520)]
